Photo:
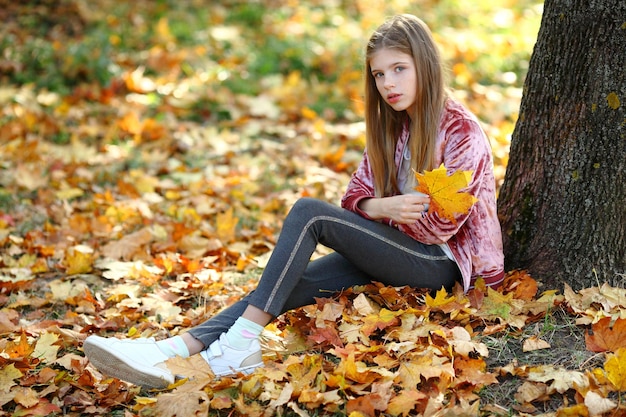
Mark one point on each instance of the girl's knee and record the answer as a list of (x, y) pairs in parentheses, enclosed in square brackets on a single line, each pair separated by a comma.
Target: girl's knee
[(308, 204)]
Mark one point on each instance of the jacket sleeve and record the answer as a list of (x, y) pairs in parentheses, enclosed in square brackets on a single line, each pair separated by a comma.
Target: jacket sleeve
[(361, 186), (464, 148)]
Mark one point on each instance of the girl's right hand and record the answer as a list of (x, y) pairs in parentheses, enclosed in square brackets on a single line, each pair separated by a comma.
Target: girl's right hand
[(401, 209)]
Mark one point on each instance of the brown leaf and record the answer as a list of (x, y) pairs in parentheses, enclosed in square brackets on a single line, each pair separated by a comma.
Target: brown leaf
[(178, 404), (531, 391), (195, 369), (365, 404), (128, 246), (403, 403), (8, 320), (534, 343), (606, 337)]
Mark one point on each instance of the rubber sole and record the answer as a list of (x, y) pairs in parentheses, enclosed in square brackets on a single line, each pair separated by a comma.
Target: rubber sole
[(245, 370)]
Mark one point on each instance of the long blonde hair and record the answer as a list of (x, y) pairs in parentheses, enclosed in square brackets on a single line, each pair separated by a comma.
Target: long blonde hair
[(410, 35)]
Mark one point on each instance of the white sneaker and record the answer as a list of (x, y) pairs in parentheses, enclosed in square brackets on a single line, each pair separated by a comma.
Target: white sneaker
[(227, 360), (138, 361)]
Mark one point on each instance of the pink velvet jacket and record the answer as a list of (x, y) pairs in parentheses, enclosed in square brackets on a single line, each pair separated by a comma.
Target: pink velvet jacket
[(475, 240)]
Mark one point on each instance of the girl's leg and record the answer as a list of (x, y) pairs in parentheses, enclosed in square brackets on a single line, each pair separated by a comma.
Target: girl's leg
[(322, 278), (290, 280), (385, 253), (388, 256)]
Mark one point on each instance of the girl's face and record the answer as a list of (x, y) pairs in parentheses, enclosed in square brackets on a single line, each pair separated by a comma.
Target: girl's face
[(396, 78)]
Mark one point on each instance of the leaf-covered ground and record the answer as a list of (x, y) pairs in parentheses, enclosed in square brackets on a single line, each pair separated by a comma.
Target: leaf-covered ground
[(150, 151)]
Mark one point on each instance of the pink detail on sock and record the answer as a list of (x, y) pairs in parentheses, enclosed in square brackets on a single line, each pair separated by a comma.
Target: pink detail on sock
[(248, 334)]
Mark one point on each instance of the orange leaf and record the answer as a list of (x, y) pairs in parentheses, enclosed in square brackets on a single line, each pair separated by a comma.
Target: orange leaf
[(19, 350), (363, 404), (522, 285), (606, 337), (381, 320), (446, 197), (130, 123)]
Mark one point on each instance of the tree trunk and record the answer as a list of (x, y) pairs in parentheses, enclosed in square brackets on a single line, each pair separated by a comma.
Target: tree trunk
[(562, 205)]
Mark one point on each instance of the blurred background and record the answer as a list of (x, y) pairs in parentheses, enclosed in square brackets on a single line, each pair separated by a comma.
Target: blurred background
[(115, 75)]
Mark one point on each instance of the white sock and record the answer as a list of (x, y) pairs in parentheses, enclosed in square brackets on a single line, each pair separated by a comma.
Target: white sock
[(243, 332), (173, 346)]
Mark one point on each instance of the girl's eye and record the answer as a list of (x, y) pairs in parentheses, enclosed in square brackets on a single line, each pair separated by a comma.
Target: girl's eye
[(378, 75), (399, 69)]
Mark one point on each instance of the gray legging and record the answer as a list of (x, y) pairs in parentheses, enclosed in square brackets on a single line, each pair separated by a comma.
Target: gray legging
[(364, 251)]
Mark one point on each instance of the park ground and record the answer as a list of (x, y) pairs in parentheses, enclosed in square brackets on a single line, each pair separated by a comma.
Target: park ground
[(150, 151)]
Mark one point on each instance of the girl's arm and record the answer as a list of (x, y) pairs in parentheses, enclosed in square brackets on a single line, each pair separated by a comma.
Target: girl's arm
[(360, 198), (399, 209)]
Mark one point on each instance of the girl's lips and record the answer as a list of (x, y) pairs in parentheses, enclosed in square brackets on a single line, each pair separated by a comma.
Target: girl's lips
[(393, 98)]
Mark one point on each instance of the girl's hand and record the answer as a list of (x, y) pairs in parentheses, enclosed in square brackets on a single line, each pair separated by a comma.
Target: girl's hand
[(401, 209)]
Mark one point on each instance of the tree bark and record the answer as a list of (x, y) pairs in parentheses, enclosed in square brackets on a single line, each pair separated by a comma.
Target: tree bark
[(563, 201)]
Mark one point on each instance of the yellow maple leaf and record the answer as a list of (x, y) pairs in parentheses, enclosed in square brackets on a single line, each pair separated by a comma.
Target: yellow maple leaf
[(446, 197), (8, 375), (226, 225), (381, 320), (45, 349), (441, 298), (615, 367), (79, 259)]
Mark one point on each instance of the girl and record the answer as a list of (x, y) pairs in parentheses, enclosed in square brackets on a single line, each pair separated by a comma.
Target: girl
[(382, 230)]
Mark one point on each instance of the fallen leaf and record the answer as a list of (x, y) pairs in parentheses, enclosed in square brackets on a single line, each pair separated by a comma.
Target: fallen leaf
[(534, 343), (606, 336), (521, 284), (365, 404), (597, 404), (363, 305), (615, 367), (182, 404), (530, 391), (19, 350), (127, 246), (427, 366), (79, 259), (403, 403), (26, 397), (195, 369), (45, 350), (42, 408), (441, 299), (379, 321), (8, 375), (562, 379), (463, 344), (578, 410), (226, 225)]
